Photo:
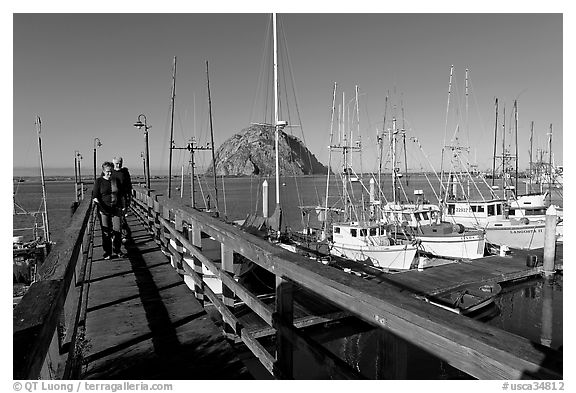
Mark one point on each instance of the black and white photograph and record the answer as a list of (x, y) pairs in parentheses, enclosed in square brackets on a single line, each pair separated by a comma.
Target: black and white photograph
[(309, 192)]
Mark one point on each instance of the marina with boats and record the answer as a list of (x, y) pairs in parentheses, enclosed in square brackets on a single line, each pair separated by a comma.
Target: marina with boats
[(423, 255)]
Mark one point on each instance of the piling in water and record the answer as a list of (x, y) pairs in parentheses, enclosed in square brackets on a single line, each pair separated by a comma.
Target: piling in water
[(265, 199), (550, 241)]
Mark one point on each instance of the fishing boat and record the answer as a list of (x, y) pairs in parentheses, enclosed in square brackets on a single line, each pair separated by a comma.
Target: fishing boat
[(480, 207), (31, 243), (421, 222), (359, 236)]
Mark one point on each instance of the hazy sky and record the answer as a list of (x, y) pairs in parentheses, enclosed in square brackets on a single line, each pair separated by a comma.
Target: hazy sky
[(91, 75)]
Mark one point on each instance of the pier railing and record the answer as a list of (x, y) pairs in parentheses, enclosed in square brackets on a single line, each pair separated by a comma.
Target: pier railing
[(477, 349), (47, 325)]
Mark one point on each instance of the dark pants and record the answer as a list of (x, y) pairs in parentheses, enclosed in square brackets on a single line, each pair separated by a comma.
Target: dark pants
[(111, 236)]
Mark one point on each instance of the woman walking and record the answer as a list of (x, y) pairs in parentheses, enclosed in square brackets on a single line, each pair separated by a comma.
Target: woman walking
[(108, 194)]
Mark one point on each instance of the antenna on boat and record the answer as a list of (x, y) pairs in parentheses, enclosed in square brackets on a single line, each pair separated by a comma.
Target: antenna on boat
[(45, 214)]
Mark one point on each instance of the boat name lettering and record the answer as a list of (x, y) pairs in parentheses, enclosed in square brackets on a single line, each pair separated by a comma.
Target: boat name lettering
[(538, 230)]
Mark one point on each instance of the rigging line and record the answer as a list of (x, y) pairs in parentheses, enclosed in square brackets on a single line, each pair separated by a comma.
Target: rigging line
[(201, 190), (224, 196), (260, 80), (295, 94), (442, 188)]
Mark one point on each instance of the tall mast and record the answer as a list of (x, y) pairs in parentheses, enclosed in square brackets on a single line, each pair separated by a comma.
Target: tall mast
[(495, 141), (171, 128), (276, 129), (445, 130), (550, 164), (504, 151), (404, 143), (467, 117), (393, 146), (381, 143), (329, 156), (516, 131), (531, 136), (212, 135), (358, 128), (46, 227)]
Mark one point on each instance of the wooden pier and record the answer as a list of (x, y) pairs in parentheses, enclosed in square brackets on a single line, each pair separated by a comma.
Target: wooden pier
[(146, 316)]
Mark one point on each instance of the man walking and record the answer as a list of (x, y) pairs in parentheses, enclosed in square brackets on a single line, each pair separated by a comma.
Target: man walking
[(122, 176)]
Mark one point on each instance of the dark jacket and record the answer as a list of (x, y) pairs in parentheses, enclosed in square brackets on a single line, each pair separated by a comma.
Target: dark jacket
[(124, 181), (108, 194)]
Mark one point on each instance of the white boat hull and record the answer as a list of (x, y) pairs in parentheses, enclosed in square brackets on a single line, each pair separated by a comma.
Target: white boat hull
[(397, 257), (463, 246), (520, 236)]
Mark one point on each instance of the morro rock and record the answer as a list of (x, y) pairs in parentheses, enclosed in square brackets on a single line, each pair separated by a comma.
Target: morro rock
[(251, 152)]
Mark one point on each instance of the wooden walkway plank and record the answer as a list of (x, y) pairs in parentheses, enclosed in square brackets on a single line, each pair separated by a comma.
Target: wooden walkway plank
[(144, 322)]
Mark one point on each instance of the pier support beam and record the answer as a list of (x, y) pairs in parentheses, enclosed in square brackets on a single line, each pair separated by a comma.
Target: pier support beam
[(550, 241), (284, 316)]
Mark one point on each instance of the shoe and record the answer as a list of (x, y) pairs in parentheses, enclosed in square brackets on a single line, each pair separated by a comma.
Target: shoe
[(122, 255), (107, 257)]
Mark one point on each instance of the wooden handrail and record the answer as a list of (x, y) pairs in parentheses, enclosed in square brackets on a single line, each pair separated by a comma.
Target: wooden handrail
[(480, 350), (37, 320)]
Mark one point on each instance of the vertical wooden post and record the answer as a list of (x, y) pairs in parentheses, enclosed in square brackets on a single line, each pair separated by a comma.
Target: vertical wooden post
[(157, 227), (227, 257), (165, 236), (177, 244), (194, 236), (284, 316), (550, 241), (547, 313), (150, 212)]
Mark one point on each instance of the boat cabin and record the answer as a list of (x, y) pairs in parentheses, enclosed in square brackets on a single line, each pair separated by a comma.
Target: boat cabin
[(412, 215), (359, 233), (472, 213)]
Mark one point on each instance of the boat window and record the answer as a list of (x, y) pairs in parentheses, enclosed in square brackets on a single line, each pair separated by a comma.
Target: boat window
[(451, 208), (372, 231), (425, 215), (417, 216), (480, 209), (353, 232), (336, 229), (382, 230), (498, 209), (474, 208), (497, 225), (363, 232), (491, 210), (535, 212)]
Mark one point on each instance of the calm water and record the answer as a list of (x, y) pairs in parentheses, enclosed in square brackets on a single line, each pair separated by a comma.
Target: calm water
[(532, 309)]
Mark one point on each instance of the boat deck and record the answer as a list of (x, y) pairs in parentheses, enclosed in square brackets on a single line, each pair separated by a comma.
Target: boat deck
[(446, 275)]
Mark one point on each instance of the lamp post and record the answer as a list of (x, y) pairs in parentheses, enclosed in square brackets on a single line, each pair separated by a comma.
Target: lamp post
[(79, 160), (139, 125), (143, 164), (97, 143)]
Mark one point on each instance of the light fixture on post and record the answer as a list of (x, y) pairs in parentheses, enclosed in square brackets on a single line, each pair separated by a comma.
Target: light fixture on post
[(146, 127), (97, 144)]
